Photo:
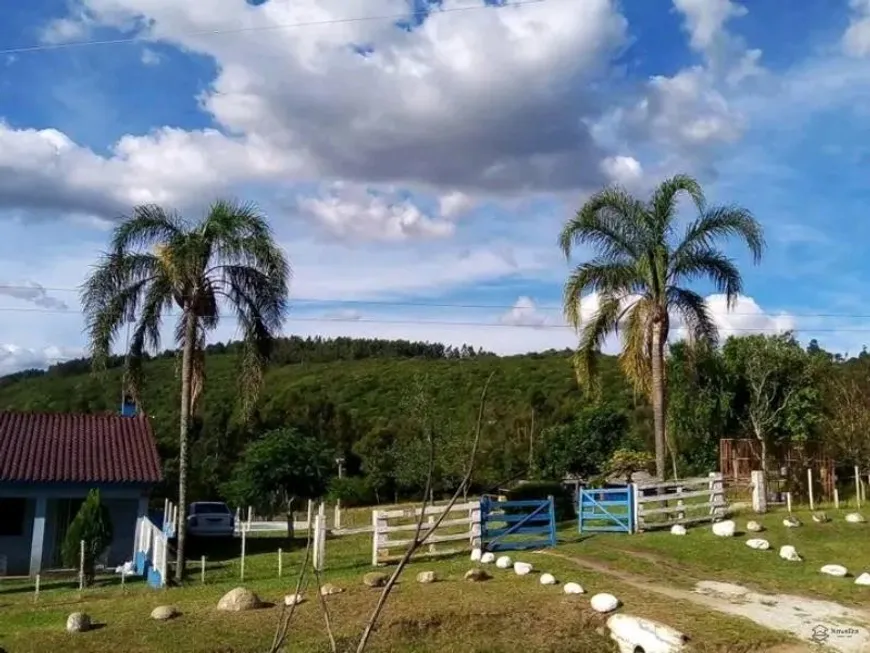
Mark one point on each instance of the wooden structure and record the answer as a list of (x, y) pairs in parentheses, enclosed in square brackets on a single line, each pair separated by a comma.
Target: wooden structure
[(464, 527), (606, 510), (684, 501), (517, 525), (787, 465)]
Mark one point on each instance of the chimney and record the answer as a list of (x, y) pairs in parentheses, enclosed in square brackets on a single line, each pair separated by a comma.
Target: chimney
[(128, 407)]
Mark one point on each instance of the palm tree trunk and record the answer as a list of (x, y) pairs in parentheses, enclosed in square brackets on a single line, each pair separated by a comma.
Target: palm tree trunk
[(658, 398), (186, 392)]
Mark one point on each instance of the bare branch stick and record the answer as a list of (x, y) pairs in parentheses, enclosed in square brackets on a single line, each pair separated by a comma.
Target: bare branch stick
[(325, 609), (418, 541), (283, 627)]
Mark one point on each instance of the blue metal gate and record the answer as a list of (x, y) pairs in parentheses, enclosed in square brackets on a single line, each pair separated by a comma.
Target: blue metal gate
[(517, 525), (607, 510)]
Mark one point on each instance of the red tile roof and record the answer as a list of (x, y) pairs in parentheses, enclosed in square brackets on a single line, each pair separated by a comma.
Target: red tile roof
[(62, 448)]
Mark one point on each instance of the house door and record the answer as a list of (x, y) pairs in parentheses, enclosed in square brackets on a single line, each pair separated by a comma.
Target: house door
[(66, 510)]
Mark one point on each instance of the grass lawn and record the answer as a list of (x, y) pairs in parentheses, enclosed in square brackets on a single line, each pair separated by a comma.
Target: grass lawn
[(700, 555), (506, 614)]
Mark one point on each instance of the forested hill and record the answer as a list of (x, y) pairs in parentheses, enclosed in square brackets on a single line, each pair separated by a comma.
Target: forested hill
[(341, 389)]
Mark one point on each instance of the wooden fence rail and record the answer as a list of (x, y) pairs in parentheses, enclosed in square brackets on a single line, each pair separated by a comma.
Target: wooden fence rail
[(662, 504), (403, 522)]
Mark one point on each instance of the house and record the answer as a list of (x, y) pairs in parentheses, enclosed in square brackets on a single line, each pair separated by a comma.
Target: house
[(48, 464)]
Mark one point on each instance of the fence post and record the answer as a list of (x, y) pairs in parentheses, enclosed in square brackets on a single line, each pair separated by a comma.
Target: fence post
[(638, 509), (244, 537), (430, 521), (552, 512), (318, 520), (336, 522), (36, 590), (376, 536), (81, 567), (280, 562), (310, 515), (474, 531), (759, 491), (202, 569), (632, 508), (810, 487)]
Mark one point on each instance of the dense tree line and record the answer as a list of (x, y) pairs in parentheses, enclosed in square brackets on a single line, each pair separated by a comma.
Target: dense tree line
[(369, 411)]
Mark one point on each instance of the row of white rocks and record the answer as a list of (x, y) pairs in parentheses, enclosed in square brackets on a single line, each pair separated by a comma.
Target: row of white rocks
[(728, 528), (602, 602)]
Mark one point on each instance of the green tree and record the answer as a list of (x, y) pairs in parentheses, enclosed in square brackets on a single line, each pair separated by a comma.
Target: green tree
[(157, 260), (625, 462), (93, 526), (278, 469), (700, 400), (640, 271), (777, 380), (376, 451), (583, 446)]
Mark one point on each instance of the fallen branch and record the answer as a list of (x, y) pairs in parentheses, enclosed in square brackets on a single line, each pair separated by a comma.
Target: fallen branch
[(419, 540)]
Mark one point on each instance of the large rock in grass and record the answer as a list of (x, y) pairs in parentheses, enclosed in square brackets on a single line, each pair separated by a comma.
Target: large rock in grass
[(164, 613), (724, 528), (855, 518), (548, 579), (754, 527), (504, 562), (573, 588), (78, 622), (863, 579), (834, 570), (633, 634), (375, 579), (678, 529), (477, 575), (329, 589), (758, 544), (426, 577), (604, 602), (522, 568), (788, 552), (240, 599)]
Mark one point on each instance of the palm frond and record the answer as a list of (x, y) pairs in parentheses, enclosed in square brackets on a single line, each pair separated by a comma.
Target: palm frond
[(610, 221), (663, 204), (146, 334), (598, 276), (695, 315), (707, 263), (720, 223), (636, 356), (603, 323), (147, 225)]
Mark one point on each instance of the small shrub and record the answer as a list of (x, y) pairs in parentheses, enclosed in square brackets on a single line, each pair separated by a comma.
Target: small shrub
[(563, 498), (92, 525), (352, 491)]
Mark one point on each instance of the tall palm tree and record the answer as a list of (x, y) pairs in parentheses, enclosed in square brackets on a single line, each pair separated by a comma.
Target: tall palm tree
[(639, 272), (159, 261)]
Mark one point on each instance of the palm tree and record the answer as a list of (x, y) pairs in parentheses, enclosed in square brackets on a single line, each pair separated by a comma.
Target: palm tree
[(639, 272), (157, 261)]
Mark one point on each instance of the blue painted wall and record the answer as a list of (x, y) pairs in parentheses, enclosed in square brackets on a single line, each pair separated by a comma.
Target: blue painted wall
[(17, 549), (122, 502)]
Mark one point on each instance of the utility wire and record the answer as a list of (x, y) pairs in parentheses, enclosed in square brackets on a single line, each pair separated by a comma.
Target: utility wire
[(413, 304), (510, 325), (420, 13)]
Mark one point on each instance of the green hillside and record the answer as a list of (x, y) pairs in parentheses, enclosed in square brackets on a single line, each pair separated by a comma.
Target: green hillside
[(340, 400)]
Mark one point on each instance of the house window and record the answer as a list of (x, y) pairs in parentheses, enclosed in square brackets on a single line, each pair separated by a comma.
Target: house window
[(12, 512)]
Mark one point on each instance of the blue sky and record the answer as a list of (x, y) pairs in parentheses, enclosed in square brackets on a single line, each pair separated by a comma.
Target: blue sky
[(421, 180)]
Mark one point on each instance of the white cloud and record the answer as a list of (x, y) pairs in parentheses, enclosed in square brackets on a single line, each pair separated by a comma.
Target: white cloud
[(66, 30), (150, 57), (856, 39), (14, 358), (524, 313), (623, 170), (359, 214), (34, 293)]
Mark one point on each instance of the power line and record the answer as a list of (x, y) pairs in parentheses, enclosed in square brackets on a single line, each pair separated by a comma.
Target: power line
[(414, 304), (422, 13), (418, 322)]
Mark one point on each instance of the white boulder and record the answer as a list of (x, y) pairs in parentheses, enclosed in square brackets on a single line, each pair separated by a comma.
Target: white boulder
[(754, 527), (834, 570), (548, 579), (522, 568), (293, 599), (855, 518), (788, 552), (78, 622), (633, 634), (863, 579), (678, 529), (476, 555), (487, 558), (239, 600), (821, 518), (504, 562), (724, 528), (573, 588), (758, 544), (164, 613), (604, 602), (791, 522)]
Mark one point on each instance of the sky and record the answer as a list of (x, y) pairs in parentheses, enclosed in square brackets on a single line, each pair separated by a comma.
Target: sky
[(417, 159)]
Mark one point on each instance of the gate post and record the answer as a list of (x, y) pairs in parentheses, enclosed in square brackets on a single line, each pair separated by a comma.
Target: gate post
[(552, 510)]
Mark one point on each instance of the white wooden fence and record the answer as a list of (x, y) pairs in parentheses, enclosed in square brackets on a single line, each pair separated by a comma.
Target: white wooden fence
[(467, 518), (685, 501), (152, 542)]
